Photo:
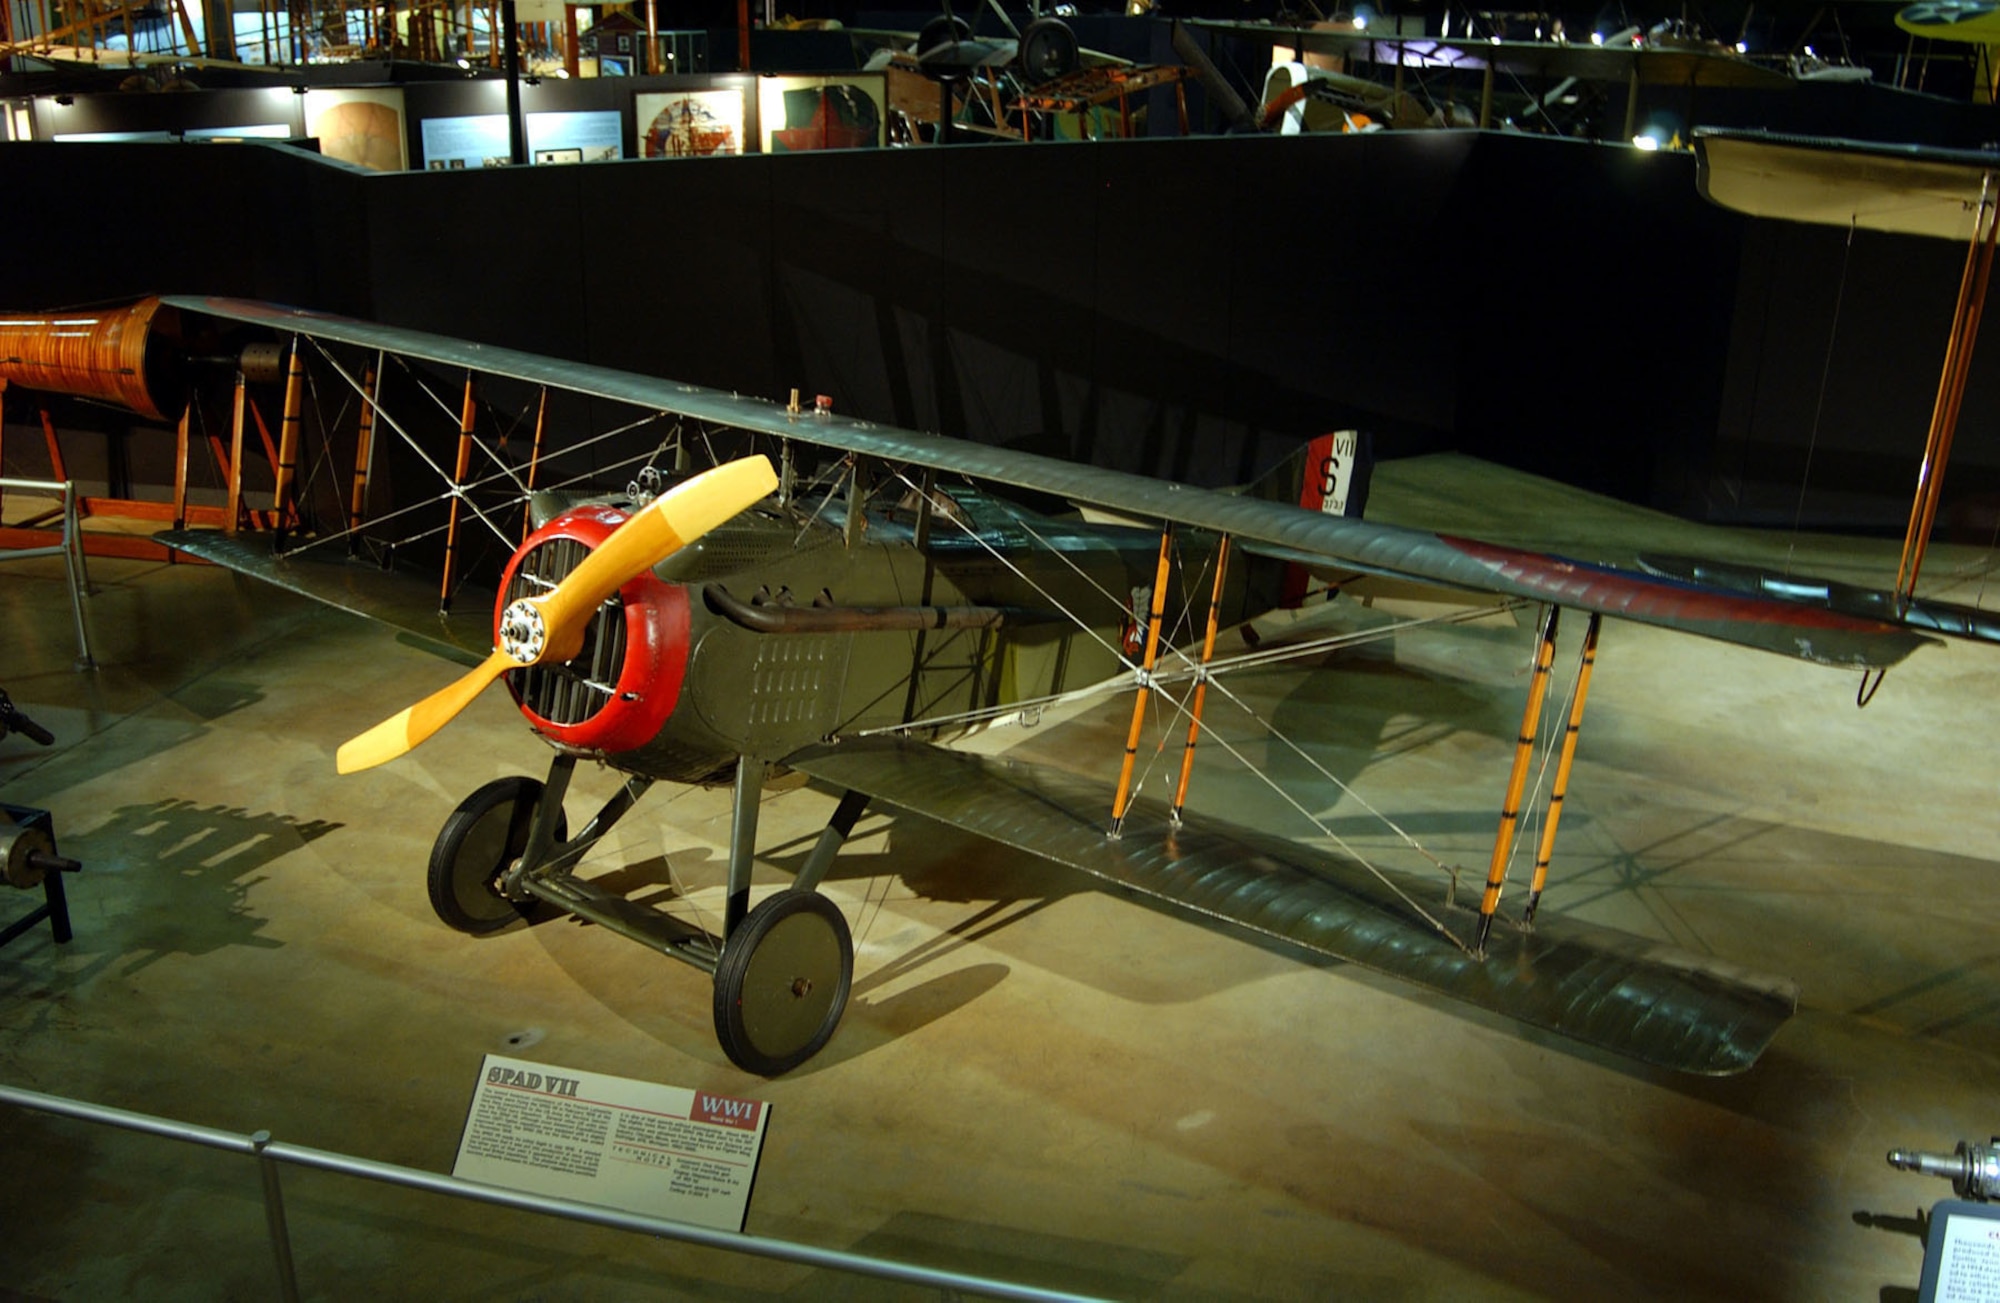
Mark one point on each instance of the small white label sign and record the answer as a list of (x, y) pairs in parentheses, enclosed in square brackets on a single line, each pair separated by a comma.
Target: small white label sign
[(664, 1151)]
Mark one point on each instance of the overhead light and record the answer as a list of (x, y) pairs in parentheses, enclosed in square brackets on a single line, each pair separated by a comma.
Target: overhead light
[(1649, 144)]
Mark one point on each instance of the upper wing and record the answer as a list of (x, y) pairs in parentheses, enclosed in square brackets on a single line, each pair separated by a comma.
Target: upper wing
[(1810, 633)]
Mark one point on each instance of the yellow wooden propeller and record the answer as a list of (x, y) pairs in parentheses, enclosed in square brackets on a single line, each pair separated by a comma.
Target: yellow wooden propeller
[(550, 626)]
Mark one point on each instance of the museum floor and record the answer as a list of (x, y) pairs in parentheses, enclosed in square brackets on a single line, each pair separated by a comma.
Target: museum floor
[(1036, 1080)]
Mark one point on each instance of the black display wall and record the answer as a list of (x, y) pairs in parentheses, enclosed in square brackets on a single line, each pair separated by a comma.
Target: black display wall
[(1190, 308)]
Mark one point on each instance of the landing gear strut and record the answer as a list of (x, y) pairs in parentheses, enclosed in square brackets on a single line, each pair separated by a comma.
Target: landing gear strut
[(782, 970), (478, 843)]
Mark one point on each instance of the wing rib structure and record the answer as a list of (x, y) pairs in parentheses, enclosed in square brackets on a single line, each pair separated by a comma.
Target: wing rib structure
[(1623, 993)]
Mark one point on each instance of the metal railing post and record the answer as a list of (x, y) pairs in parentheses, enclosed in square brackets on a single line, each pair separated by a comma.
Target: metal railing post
[(274, 1219), (69, 545), (270, 1153)]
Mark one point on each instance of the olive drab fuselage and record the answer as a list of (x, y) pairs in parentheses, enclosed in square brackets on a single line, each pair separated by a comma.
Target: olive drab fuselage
[(1053, 606)]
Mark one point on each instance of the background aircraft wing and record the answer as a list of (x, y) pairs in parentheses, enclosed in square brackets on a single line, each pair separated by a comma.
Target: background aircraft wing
[(1624, 993), (1807, 632)]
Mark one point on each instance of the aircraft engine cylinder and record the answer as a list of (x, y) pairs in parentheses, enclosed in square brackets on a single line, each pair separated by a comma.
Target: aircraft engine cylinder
[(128, 356), (619, 689)]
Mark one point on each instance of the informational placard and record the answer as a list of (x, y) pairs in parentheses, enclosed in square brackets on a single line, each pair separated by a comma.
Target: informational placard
[(589, 137), (1962, 1254), (664, 1151), (477, 141)]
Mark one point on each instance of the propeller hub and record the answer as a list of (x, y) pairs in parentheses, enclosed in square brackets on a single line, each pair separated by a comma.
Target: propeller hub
[(523, 632)]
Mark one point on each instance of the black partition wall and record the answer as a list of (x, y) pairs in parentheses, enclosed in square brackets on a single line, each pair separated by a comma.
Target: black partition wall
[(1184, 307)]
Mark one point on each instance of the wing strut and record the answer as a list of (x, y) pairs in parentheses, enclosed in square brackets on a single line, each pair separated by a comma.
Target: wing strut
[(1951, 392), (535, 459), (364, 452), (1121, 801), (1201, 677), (468, 413), (1517, 781), (287, 458), (1585, 662)]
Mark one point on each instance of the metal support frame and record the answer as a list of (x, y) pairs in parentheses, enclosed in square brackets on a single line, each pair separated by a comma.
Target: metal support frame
[(1586, 660), (1517, 781), (70, 548), (55, 901), (545, 872)]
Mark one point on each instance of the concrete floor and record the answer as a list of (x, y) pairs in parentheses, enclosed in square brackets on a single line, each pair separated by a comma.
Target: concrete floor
[(1035, 1079)]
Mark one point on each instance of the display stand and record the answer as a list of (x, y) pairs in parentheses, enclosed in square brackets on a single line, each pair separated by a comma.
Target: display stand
[(23, 834)]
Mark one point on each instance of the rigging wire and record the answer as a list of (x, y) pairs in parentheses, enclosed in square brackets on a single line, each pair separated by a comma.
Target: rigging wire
[(1180, 710), (1819, 405)]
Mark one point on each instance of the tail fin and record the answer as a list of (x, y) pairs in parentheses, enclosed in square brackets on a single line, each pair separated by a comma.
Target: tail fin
[(1330, 474)]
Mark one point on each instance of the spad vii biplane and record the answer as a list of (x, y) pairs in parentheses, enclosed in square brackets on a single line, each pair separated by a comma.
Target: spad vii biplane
[(782, 587)]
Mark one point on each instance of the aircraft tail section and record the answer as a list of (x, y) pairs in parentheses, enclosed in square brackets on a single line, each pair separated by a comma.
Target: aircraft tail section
[(1328, 475)]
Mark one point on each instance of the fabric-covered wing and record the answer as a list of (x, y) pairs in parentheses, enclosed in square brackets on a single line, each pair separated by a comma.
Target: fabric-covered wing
[(1814, 634), (399, 601), (1624, 993)]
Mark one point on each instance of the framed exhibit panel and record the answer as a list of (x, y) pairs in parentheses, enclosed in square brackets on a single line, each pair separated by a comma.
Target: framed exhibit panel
[(692, 123), (592, 136), (840, 112), (113, 137), (256, 131), (361, 127), (478, 141)]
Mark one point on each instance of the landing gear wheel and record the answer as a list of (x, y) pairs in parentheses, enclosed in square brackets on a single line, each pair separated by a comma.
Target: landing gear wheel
[(1048, 50), (941, 30), (482, 838), (782, 983)]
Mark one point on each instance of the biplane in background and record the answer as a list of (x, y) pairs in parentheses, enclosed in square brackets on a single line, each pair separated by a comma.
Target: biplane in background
[(780, 586)]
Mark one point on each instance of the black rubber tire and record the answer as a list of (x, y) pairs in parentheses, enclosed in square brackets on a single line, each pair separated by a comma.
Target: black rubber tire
[(941, 31), (783, 982), (484, 835), (1048, 50)]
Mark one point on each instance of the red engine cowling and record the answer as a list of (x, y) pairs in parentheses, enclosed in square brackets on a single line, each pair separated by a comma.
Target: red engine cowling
[(619, 690)]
